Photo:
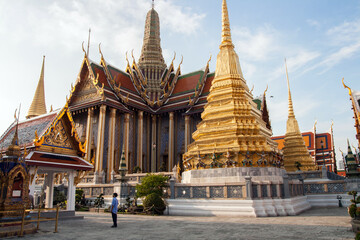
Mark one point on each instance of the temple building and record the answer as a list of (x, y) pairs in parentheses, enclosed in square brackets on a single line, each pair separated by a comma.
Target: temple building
[(320, 146), (159, 116), (149, 109)]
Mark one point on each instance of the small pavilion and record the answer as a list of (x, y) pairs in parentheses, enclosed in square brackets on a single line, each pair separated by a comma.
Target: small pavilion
[(51, 146)]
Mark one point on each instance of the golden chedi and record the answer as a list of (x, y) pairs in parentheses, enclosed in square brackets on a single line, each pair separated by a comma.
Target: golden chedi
[(38, 106), (295, 153), (231, 132)]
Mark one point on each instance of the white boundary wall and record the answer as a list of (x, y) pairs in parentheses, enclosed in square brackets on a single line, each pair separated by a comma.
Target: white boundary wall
[(252, 208), (237, 208)]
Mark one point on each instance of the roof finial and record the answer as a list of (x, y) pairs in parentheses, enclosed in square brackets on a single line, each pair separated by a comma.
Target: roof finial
[(88, 42), (267, 86), (291, 109), (152, 5), (14, 149), (225, 34)]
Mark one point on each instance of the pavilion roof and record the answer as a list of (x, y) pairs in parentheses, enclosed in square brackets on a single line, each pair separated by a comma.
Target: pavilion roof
[(26, 130)]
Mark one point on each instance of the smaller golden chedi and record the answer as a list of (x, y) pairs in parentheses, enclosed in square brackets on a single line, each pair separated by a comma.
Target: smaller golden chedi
[(295, 153)]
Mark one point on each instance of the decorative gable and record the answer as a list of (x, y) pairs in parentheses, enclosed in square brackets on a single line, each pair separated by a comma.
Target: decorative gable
[(61, 137), (58, 137)]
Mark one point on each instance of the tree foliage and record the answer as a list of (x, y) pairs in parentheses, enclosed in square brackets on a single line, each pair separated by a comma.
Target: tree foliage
[(151, 183), (153, 203)]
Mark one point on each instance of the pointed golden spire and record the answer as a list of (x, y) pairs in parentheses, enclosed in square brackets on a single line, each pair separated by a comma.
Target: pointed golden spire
[(291, 109), (226, 33), (38, 106), (295, 150), (227, 62)]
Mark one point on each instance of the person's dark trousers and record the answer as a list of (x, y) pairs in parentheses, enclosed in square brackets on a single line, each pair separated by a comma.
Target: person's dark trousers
[(114, 217)]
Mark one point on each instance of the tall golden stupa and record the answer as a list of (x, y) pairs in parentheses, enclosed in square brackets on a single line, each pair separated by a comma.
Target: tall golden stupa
[(38, 106), (295, 153), (232, 132)]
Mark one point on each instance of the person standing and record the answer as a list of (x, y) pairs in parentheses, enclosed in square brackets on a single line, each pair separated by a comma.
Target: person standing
[(113, 209)]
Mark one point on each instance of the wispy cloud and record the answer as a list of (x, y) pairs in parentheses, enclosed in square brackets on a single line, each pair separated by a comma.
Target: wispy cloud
[(256, 45), (296, 63), (177, 19), (345, 39), (118, 23), (313, 23), (345, 32)]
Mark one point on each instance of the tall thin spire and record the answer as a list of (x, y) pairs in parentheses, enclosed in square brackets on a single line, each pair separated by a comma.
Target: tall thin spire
[(291, 108), (38, 106), (295, 151), (88, 46), (227, 60), (226, 33)]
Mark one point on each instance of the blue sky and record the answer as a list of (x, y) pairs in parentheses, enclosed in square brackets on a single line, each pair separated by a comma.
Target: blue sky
[(320, 39)]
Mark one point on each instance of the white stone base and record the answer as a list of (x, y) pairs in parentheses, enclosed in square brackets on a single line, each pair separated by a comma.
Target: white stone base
[(328, 200), (233, 175), (237, 208)]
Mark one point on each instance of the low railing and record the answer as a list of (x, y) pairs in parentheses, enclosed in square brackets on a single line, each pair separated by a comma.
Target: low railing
[(38, 220)]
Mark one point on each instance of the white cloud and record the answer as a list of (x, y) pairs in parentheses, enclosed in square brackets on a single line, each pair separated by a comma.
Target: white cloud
[(119, 23), (346, 40), (345, 32), (340, 55), (178, 19), (256, 45), (296, 63), (313, 23)]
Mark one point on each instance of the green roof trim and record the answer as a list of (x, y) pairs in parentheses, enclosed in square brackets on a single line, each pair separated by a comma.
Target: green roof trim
[(258, 103), (191, 74)]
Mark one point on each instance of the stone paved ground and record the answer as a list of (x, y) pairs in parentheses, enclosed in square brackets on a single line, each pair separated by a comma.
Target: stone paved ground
[(323, 223)]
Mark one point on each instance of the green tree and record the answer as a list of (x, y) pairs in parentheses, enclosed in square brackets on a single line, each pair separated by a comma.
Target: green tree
[(151, 183), (78, 195), (153, 203)]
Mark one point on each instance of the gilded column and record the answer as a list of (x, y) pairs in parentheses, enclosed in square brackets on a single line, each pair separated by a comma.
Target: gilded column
[(153, 144), (171, 141), (100, 143), (187, 131), (148, 144), (89, 133), (126, 138), (140, 139), (111, 148)]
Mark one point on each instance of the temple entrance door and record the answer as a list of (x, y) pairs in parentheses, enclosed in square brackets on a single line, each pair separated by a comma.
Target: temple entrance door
[(165, 163)]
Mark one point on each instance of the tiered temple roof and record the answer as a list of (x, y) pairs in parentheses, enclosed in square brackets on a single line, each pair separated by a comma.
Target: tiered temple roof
[(148, 85)]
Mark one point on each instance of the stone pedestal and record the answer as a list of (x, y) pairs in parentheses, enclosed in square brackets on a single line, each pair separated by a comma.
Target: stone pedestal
[(231, 175)]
